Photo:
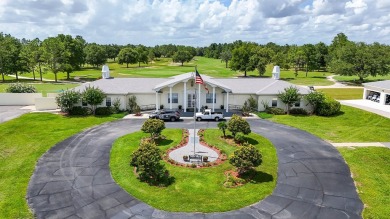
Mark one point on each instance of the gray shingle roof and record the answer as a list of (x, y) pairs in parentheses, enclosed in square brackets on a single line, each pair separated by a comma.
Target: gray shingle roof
[(124, 85), (259, 86), (379, 84)]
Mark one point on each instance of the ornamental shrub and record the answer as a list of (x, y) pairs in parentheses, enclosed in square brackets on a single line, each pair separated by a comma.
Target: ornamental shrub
[(245, 158), (315, 99), (79, 111), (275, 111), (104, 111), (222, 126), (328, 107), (239, 138), (147, 160), (20, 88), (67, 99), (154, 127), (93, 96), (298, 111), (238, 124)]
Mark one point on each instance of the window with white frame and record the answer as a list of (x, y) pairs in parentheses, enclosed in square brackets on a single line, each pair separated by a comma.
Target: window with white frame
[(175, 98), (108, 101), (209, 98), (274, 102)]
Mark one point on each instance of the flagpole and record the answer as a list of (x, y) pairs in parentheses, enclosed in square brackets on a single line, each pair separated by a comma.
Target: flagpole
[(195, 109)]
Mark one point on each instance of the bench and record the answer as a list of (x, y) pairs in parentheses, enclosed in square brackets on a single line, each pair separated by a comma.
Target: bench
[(195, 157)]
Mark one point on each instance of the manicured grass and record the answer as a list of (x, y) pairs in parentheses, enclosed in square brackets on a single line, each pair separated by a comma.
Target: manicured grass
[(352, 125), (195, 190), (164, 67), (22, 142), (45, 88), (355, 79), (371, 172), (344, 93)]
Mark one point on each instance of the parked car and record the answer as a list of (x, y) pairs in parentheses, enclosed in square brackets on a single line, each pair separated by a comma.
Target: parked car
[(208, 115), (165, 115)]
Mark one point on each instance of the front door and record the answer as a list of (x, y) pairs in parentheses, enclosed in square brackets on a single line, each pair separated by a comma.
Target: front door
[(191, 100)]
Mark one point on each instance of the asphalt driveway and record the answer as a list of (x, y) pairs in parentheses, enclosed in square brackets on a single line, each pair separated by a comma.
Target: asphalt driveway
[(11, 112), (73, 180)]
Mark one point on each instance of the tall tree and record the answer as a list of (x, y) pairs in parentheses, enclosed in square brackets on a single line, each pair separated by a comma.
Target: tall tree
[(296, 57), (95, 55), (310, 53), (128, 55), (182, 56), (261, 57), (322, 53), (361, 60), (55, 54), (10, 61), (225, 57), (241, 58), (142, 55)]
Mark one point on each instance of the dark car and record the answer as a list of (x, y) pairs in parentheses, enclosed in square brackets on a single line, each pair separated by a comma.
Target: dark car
[(166, 115)]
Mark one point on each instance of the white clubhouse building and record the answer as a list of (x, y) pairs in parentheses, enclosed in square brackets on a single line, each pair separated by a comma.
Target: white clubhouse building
[(181, 90)]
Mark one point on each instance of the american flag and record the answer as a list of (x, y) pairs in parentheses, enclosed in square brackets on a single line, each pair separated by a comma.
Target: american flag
[(199, 80)]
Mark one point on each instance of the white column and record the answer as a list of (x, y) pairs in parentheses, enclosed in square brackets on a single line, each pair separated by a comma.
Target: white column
[(185, 97), (227, 101), (382, 99), (170, 97), (157, 100), (213, 98), (198, 97), (364, 94)]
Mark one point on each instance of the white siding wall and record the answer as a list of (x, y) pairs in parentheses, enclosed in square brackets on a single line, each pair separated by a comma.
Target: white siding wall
[(280, 104), (9, 99)]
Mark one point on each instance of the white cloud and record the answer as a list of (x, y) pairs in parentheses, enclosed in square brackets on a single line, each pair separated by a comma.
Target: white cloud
[(198, 22)]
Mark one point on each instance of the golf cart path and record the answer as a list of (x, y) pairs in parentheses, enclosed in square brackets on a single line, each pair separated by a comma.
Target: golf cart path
[(336, 84), (73, 180)]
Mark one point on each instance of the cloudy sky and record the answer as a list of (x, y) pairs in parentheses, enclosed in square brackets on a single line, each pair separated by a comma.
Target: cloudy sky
[(196, 22)]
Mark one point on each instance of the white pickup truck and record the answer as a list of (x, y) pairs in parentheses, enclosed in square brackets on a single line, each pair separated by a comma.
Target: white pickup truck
[(208, 115)]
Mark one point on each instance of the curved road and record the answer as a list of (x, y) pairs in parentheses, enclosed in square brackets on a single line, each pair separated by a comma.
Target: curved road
[(73, 180)]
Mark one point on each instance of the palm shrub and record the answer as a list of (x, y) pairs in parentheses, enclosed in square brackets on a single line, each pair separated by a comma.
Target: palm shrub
[(238, 124), (132, 105), (222, 126), (20, 88), (154, 127), (67, 99), (147, 160), (245, 158)]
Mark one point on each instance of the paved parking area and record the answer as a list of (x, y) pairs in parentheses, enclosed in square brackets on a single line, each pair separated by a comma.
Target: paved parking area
[(11, 112), (370, 106)]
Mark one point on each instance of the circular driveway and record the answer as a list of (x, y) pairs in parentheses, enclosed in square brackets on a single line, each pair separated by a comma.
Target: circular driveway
[(73, 180)]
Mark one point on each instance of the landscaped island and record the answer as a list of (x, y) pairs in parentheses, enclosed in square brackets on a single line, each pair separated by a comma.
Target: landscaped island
[(196, 189)]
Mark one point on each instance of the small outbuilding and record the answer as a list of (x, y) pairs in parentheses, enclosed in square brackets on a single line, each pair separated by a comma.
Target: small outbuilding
[(378, 92)]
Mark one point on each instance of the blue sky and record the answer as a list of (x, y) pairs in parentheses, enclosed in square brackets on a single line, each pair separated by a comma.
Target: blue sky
[(198, 23)]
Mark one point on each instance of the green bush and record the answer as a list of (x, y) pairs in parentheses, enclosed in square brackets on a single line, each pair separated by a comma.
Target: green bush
[(79, 111), (93, 96), (328, 107), (298, 111), (237, 124), (154, 127), (20, 88), (67, 99), (245, 158), (147, 160), (239, 138), (275, 111), (104, 111)]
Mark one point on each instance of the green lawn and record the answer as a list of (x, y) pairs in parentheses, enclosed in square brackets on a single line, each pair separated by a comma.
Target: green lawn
[(371, 172), (22, 142), (164, 67), (44, 88), (353, 125), (195, 190), (343, 93), (355, 79)]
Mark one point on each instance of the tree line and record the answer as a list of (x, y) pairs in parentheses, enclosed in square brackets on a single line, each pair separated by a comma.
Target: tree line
[(66, 54)]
